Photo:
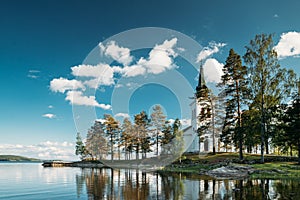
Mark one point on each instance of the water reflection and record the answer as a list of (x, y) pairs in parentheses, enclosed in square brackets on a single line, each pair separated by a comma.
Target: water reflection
[(138, 185)]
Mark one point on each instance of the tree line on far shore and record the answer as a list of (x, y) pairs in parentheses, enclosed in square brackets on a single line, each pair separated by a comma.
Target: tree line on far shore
[(110, 139)]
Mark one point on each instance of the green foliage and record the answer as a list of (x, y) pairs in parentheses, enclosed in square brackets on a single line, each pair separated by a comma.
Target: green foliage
[(204, 100), (292, 122), (141, 138), (96, 143), (268, 83), (112, 131), (157, 120), (80, 149), (234, 89)]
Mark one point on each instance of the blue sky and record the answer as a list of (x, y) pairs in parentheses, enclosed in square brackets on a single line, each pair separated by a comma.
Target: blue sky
[(42, 41)]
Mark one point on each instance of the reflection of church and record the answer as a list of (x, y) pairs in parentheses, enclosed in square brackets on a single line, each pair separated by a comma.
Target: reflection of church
[(191, 138)]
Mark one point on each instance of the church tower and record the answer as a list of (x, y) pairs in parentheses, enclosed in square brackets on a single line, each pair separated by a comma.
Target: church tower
[(197, 106)]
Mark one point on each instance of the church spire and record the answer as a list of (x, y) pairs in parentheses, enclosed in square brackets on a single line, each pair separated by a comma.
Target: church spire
[(201, 81), (201, 89)]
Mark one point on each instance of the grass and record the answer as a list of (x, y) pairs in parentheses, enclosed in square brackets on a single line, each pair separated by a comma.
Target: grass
[(277, 170), (270, 170)]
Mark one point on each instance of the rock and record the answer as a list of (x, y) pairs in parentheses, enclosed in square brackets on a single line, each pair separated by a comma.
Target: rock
[(231, 172)]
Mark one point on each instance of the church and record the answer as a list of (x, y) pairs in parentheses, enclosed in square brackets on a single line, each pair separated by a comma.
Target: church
[(209, 139)]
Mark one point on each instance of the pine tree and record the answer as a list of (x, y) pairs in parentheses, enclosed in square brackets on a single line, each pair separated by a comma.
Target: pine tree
[(157, 120), (112, 130), (203, 98), (167, 138), (96, 144), (127, 137), (80, 147), (141, 137), (234, 86)]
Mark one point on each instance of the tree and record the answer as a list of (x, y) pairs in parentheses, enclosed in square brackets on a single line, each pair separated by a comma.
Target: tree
[(80, 147), (203, 98), (292, 119), (234, 86), (157, 120), (178, 142), (141, 138), (127, 137), (269, 84), (96, 144), (112, 129), (167, 138)]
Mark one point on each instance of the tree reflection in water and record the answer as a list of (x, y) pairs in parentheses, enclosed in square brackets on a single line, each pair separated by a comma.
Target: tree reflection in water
[(137, 185)]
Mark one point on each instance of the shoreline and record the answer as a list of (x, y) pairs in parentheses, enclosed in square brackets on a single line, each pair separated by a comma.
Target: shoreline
[(220, 166)]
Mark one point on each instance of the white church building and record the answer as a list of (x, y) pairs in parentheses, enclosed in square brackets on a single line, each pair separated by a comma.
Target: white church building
[(191, 139)]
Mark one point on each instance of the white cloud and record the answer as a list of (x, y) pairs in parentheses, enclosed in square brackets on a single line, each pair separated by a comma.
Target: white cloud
[(50, 106), (49, 115), (77, 98), (208, 51), (159, 60), (120, 54), (160, 57), (34, 74), (102, 74), (213, 70), (275, 15), (101, 120), (47, 150), (184, 122), (123, 115), (62, 85), (288, 45), (134, 70)]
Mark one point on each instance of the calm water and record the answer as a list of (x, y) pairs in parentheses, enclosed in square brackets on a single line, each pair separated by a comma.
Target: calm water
[(32, 181)]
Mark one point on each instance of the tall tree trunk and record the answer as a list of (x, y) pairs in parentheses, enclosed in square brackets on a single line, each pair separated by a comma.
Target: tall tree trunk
[(240, 135), (262, 148), (137, 152), (267, 145), (298, 152), (157, 142), (111, 147), (291, 150)]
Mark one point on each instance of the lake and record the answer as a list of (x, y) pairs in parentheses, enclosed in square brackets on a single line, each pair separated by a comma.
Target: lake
[(22, 181)]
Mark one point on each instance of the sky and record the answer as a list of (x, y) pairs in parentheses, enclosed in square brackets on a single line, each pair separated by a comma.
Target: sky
[(66, 63)]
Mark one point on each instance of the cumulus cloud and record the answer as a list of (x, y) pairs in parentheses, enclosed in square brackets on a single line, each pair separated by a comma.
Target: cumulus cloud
[(288, 45), (49, 115), (102, 74), (47, 150), (134, 70), (213, 70), (160, 57), (208, 51), (120, 54), (78, 98), (62, 85), (123, 115)]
